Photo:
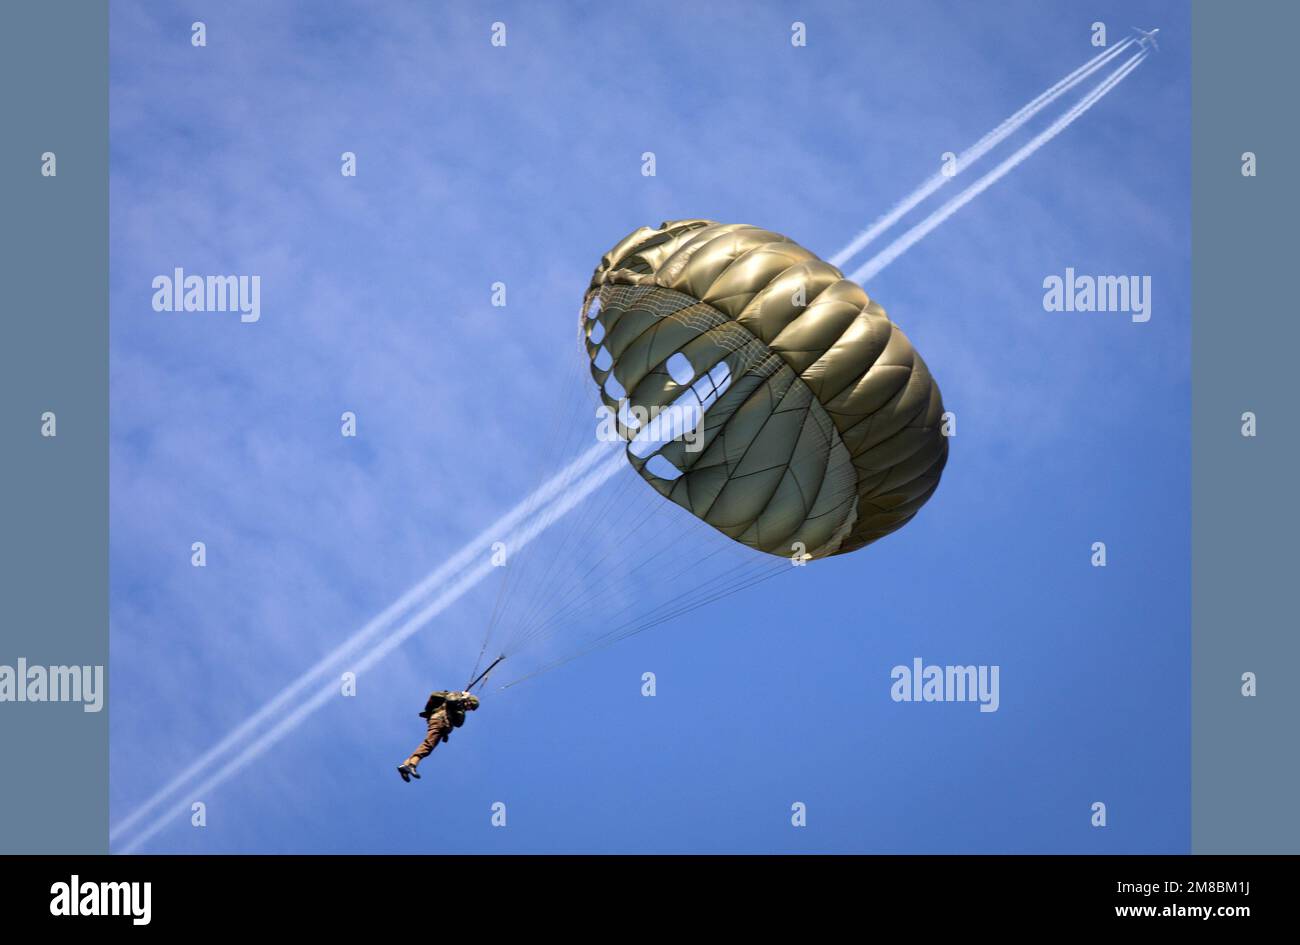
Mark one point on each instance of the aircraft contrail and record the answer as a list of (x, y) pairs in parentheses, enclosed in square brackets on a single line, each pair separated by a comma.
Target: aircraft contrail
[(976, 151), (905, 242), (326, 669)]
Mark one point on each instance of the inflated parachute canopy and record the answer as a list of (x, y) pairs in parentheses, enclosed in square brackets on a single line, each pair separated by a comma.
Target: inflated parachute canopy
[(820, 423)]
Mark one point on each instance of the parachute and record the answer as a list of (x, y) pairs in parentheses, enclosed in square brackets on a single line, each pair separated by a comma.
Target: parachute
[(777, 413), (821, 422)]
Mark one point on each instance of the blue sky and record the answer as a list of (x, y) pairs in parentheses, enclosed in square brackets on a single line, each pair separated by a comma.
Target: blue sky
[(522, 165)]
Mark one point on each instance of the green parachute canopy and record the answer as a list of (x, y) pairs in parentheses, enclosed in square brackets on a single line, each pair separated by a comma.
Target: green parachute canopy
[(820, 428)]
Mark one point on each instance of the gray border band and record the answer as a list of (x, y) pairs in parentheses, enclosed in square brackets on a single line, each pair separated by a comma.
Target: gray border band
[(1245, 517), (54, 357), (1245, 771)]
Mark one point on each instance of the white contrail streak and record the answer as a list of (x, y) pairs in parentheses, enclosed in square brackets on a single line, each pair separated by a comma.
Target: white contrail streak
[(330, 690), (905, 242), (328, 666), (976, 151)]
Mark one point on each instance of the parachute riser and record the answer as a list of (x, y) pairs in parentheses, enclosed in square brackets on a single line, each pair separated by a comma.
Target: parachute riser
[(483, 675)]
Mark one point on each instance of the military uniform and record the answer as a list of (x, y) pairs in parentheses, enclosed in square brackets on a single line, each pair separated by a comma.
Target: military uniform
[(444, 711)]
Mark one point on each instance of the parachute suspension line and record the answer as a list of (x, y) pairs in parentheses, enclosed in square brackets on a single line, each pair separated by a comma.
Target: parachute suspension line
[(517, 573), (483, 675), (544, 611), (565, 439), (614, 637), (645, 509), (492, 621), (543, 621), (625, 568), (751, 562), (737, 575), (581, 527), (635, 626), (579, 530), (642, 509), (576, 603), (554, 556)]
